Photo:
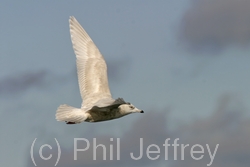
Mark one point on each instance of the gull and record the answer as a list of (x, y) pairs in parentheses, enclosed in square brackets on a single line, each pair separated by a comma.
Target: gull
[(98, 104)]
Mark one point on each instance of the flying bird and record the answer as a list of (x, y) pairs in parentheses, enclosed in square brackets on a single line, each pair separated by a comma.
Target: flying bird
[(98, 104)]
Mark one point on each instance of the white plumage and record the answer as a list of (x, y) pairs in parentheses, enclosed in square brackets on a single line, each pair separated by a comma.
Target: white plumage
[(97, 105)]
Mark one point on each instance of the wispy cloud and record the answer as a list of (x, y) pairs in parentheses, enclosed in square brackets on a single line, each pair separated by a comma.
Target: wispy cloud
[(215, 24), (22, 81)]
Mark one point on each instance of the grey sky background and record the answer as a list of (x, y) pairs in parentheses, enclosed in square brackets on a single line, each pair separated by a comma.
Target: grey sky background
[(185, 63)]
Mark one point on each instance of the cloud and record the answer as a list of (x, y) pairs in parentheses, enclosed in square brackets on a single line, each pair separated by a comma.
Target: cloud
[(22, 81), (216, 24), (227, 126)]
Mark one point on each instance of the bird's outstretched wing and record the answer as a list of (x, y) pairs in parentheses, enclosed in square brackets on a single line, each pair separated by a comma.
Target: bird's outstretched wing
[(91, 67)]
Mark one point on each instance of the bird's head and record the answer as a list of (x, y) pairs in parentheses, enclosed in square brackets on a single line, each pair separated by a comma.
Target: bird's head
[(129, 108)]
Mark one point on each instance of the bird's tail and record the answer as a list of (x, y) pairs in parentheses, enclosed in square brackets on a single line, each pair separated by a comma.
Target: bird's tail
[(70, 114)]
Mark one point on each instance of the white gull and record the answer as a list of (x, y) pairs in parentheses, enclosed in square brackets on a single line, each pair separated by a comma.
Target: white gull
[(97, 105)]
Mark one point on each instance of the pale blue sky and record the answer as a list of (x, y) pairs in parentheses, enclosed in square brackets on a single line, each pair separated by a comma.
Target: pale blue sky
[(154, 61)]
